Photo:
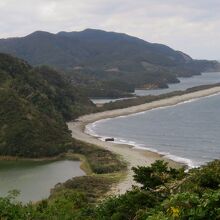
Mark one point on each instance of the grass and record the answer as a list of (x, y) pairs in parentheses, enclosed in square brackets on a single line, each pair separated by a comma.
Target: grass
[(93, 187), (101, 161), (103, 169)]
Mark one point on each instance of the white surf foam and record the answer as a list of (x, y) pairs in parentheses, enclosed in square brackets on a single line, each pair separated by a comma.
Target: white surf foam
[(167, 155), (136, 145)]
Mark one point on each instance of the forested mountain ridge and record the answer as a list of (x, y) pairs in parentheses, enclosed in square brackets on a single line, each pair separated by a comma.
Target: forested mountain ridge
[(35, 102), (109, 58)]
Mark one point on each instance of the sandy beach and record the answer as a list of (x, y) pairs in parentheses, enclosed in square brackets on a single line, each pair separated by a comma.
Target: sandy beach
[(133, 157)]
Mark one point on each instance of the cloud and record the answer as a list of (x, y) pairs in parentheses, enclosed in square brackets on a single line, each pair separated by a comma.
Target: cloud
[(190, 26)]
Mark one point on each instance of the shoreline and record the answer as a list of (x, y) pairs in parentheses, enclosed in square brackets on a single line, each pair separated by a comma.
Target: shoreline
[(187, 163), (59, 157), (133, 157)]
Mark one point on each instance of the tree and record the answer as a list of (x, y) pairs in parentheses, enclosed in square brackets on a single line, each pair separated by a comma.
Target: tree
[(156, 175)]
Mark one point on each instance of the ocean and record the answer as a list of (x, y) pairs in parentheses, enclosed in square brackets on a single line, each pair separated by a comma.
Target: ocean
[(188, 132)]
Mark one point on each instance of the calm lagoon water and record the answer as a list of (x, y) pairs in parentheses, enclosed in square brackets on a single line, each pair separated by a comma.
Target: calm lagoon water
[(188, 132), (35, 179), (106, 100), (185, 83)]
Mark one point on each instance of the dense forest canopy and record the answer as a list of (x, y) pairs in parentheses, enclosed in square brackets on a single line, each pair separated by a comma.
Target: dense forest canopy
[(35, 103)]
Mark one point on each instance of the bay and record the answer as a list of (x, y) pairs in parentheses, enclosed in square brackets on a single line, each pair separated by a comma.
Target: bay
[(188, 132)]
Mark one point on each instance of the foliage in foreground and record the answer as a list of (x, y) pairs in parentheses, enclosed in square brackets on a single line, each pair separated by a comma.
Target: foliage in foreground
[(171, 194), (177, 195)]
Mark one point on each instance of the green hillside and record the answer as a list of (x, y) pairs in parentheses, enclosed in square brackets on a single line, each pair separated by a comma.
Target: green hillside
[(35, 102)]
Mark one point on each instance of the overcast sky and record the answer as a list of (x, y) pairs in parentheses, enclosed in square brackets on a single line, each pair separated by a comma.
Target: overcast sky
[(192, 26)]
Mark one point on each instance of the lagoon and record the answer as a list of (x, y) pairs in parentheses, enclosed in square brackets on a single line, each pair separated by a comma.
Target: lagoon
[(34, 179)]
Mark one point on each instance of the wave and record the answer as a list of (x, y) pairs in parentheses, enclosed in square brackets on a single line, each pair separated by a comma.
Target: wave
[(183, 160), (167, 155), (186, 161)]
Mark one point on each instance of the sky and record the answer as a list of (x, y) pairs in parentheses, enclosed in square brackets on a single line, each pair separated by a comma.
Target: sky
[(192, 26)]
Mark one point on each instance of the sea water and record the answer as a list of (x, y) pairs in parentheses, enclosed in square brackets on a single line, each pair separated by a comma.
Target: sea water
[(188, 132)]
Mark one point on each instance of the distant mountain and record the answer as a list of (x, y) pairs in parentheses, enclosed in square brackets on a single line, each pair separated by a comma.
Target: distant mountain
[(106, 56), (35, 102)]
